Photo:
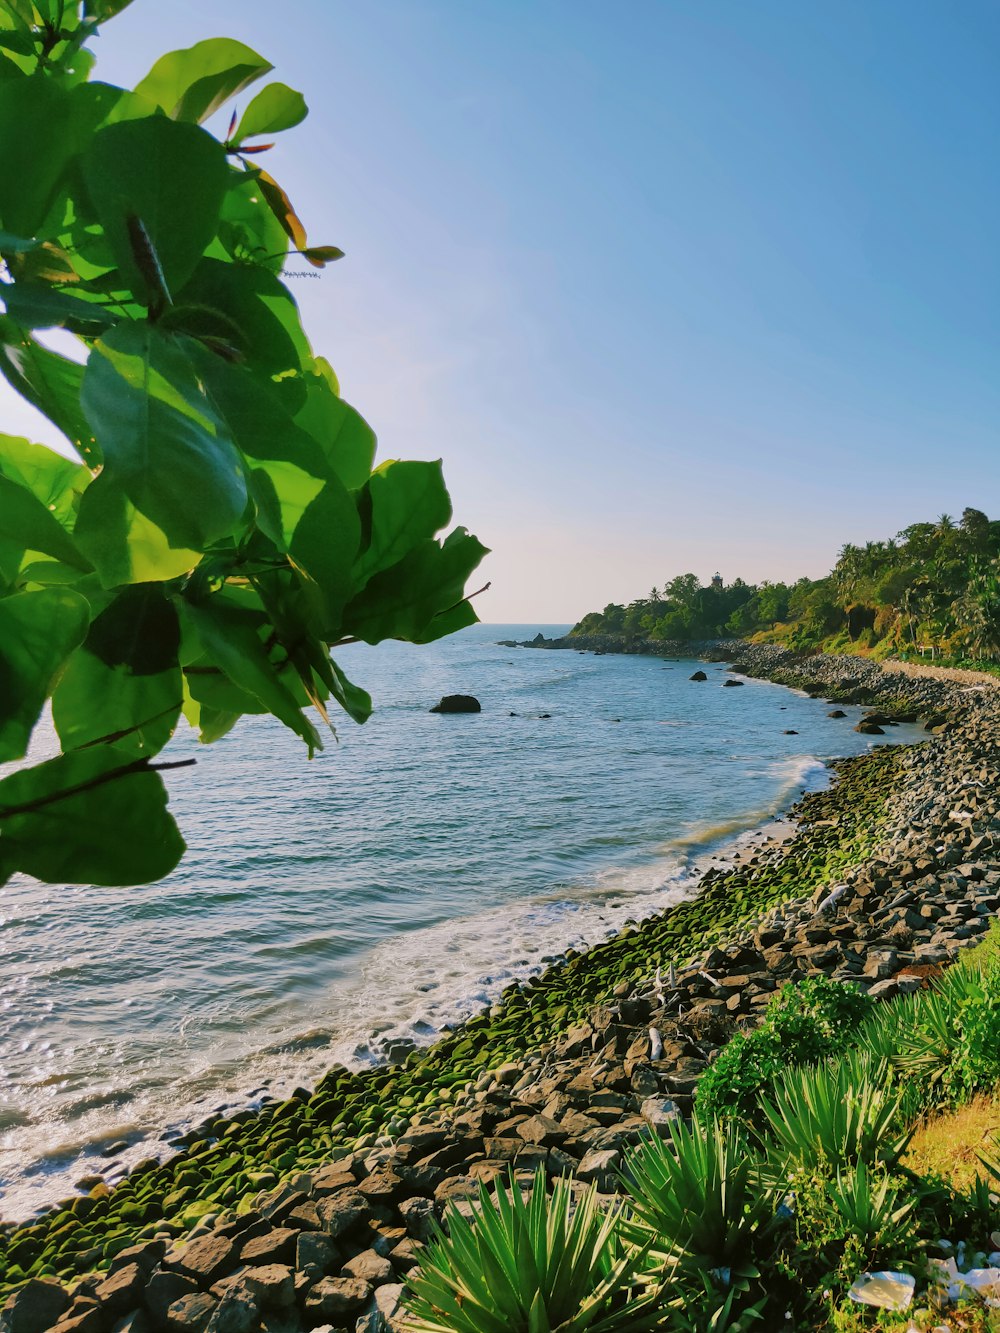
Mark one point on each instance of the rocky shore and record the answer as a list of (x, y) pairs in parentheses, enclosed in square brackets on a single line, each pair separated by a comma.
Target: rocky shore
[(309, 1214)]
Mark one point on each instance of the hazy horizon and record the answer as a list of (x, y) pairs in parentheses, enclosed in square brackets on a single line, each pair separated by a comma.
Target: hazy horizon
[(672, 288)]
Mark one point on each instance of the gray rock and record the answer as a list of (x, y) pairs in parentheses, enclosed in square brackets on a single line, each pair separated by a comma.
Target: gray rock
[(370, 1267), (659, 1112), (333, 1297), (36, 1307), (190, 1314)]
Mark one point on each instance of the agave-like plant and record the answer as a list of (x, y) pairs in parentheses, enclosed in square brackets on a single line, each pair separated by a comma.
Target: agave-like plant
[(837, 1114), (698, 1197), (551, 1264), (869, 1207)]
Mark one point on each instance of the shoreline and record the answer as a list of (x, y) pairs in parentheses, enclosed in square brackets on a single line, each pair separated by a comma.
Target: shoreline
[(515, 1085)]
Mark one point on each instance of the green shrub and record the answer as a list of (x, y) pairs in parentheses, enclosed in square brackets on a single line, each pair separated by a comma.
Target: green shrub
[(804, 1022), (545, 1265)]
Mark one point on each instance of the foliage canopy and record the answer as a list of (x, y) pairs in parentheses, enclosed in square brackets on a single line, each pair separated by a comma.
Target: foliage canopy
[(933, 583), (217, 524)]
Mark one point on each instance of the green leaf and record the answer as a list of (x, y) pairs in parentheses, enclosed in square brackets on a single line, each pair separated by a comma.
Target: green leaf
[(421, 597), (96, 816), (356, 702), (38, 631), (323, 547), (102, 10), (192, 83), (211, 723), (36, 307), (256, 416), (260, 306), (25, 521), (123, 545), (124, 685), (50, 382), (347, 440), (276, 107), (282, 492), (407, 503), (248, 230), (162, 441), (40, 133), (57, 481), (230, 638), (170, 176)]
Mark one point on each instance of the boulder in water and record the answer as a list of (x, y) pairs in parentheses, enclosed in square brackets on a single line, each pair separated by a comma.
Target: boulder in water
[(869, 728), (837, 712), (731, 684), (698, 675), (458, 703)]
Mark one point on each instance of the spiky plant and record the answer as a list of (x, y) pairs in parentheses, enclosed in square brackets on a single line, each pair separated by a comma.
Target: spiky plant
[(698, 1197), (834, 1115), (868, 1205), (548, 1264)]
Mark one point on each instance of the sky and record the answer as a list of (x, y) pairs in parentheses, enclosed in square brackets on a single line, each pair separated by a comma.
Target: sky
[(669, 285)]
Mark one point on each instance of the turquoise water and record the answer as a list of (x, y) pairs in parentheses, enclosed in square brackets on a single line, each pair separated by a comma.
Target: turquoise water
[(391, 886)]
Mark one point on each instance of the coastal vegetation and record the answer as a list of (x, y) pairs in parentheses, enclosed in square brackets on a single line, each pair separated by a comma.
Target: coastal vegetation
[(214, 523), (935, 585)]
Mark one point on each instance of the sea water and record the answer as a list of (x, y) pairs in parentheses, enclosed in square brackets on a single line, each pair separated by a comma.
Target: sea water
[(386, 889)]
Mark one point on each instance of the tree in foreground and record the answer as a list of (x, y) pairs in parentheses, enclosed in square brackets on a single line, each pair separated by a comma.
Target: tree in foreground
[(220, 526)]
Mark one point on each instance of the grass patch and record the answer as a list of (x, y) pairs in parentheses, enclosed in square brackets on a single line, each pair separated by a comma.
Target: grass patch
[(946, 1146)]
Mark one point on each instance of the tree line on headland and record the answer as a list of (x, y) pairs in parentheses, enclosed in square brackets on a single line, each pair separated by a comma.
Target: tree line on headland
[(934, 585)]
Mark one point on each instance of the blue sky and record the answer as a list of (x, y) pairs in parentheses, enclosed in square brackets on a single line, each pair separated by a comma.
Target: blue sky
[(668, 285)]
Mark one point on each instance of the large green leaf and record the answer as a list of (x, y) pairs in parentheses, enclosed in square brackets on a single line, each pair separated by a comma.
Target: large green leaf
[(95, 816), (55, 480), (407, 502), (163, 443), (192, 83), (123, 685), (40, 133), (26, 521), (256, 416), (421, 597), (38, 631), (123, 545), (231, 641), (347, 440), (35, 306), (171, 178), (282, 492), (248, 229), (276, 107), (48, 381), (104, 9), (323, 547), (261, 307)]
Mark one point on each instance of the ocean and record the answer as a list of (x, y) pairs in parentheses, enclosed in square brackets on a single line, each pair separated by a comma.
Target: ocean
[(388, 888)]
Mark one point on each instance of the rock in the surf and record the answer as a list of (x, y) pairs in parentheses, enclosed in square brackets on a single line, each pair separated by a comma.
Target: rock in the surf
[(458, 703)]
